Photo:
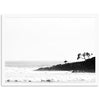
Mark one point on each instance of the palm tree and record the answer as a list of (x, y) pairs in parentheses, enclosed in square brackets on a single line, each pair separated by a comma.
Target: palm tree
[(84, 56), (78, 56), (88, 54)]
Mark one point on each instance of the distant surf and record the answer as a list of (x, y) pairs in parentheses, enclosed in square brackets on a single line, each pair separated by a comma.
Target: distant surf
[(32, 64)]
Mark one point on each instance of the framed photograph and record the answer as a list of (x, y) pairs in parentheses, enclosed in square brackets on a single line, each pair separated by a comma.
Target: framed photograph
[(49, 50)]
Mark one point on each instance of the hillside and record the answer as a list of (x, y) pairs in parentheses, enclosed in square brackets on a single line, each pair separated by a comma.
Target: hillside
[(83, 66)]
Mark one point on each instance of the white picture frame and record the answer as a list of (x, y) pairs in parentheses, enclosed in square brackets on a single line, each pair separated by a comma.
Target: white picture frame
[(3, 47)]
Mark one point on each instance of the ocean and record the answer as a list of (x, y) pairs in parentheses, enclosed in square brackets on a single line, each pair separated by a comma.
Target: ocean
[(24, 73), (32, 64)]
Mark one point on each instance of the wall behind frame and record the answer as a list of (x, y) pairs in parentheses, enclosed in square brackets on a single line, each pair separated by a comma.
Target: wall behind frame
[(53, 6)]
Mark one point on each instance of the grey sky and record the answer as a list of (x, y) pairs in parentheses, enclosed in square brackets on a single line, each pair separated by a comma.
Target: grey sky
[(29, 39)]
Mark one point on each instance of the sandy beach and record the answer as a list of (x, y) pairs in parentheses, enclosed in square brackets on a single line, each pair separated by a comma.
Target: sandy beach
[(28, 75)]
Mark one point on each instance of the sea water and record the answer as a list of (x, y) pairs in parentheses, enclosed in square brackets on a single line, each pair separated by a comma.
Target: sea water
[(24, 72)]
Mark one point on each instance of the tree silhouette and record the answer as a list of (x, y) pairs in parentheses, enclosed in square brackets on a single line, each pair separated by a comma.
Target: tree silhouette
[(78, 56), (88, 54), (84, 56), (65, 61)]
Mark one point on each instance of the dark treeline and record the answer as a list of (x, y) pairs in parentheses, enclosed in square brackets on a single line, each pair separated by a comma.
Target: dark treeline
[(83, 66)]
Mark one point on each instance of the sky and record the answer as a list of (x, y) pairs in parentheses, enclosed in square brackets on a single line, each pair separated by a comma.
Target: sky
[(48, 39)]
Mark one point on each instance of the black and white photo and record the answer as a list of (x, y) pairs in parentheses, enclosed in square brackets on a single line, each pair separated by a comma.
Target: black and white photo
[(49, 50)]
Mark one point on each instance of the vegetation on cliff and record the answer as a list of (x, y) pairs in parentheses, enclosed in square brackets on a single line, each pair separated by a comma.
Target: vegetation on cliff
[(88, 65)]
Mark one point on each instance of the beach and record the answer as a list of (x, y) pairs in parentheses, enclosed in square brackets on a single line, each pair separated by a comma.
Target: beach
[(28, 75)]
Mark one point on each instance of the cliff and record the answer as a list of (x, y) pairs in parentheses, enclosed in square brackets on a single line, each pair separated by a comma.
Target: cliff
[(83, 66)]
